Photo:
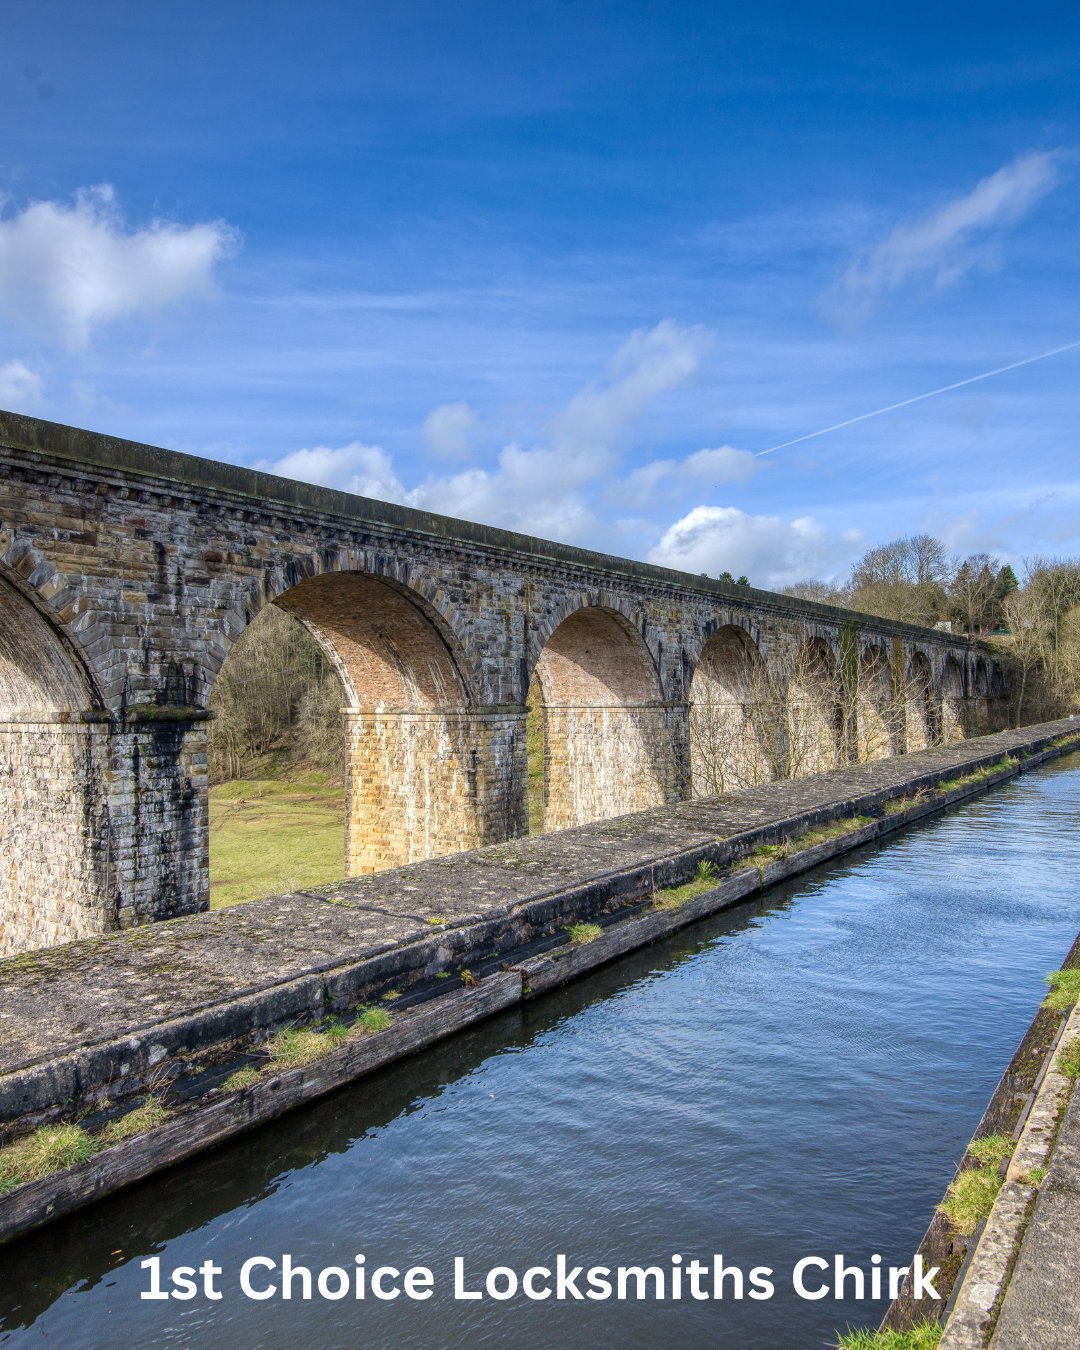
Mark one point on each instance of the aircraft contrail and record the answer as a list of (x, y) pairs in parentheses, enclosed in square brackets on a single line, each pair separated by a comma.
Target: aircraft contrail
[(944, 390)]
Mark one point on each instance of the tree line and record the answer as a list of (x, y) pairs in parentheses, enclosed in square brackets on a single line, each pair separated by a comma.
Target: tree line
[(915, 580), (1033, 623)]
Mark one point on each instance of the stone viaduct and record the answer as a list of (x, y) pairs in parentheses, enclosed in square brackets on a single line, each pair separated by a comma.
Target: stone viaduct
[(127, 573)]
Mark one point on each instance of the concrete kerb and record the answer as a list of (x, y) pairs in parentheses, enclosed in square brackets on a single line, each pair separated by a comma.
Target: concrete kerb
[(101, 1074), (985, 1281)]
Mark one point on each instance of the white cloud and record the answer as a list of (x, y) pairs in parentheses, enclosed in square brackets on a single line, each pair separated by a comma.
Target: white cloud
[(366, 470), (649, 363), (78, 266), (770, 551), (668, 477), (941, 242), (19, 386), (448, 429)]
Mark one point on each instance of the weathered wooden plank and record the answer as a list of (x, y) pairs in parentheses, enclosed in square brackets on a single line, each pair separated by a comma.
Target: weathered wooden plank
[(229, 1114)]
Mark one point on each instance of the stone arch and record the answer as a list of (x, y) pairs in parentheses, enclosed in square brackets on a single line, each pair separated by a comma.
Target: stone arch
[(429, 771), (51, 811), (981, 680), (816, 709), (729, 686), (876, 732), (39, 672), (607, 734), (424, 594), (391, 652), (919, 701), (952, 701)]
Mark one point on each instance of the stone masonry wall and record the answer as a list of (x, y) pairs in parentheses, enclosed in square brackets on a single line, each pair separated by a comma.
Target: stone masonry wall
[(424, 784), (100, 828), (53, 868), (603, 762)]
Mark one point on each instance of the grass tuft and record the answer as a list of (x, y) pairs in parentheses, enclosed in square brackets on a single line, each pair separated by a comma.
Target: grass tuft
[(373, 1019), (242, 1078), (585, 932), (1064, 989), (970, 1198), (923, 1337), (1036, 1174), (770, 853), (1068, 1060), (151, 1113), (304, 1045), (705, 879), (48, 1149), (991, 1148)]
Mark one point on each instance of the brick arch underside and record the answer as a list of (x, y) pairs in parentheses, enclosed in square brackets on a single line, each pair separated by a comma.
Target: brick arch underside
[(611, 744), (430, 772), (387, 645), (49, 812), (37, 672)]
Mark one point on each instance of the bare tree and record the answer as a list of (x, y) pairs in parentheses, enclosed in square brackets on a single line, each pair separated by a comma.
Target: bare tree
[(973, 592), (768, 724), (276, 692)]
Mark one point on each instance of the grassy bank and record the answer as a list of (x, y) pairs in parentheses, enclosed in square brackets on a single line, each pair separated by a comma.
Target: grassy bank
[(268, 836)]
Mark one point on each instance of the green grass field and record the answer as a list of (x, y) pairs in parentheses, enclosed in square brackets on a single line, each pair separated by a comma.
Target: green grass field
[(268, 836)]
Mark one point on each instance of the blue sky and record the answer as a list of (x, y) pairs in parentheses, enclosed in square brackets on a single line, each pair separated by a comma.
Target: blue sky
[(565, 266)]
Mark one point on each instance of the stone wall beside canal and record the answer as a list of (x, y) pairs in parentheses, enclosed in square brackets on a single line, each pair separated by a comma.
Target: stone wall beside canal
[(178, 1009)]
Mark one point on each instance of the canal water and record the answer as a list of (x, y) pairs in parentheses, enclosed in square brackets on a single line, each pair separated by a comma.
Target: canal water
[(794, 1079)]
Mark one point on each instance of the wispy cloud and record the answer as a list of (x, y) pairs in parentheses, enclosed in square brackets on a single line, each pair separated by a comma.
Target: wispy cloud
[(448, 430), (75, 267), (945, 243), (19, 387), (669, 478)]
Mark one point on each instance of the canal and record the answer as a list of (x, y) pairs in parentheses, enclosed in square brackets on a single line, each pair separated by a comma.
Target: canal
[(798, 1077)]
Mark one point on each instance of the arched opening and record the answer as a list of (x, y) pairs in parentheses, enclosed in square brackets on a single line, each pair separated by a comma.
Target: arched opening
[(427, 772), (607, 735), (55, 883), (921, 732), (815, 698), (276, 760), (981, 688), (952, 702), (875, 730), (729, 704)]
